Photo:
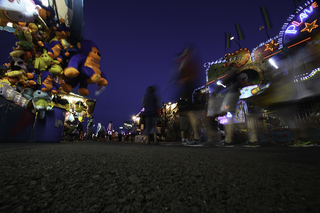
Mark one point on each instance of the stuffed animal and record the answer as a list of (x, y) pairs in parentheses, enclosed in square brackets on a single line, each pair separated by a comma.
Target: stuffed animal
[(32, 78), (24, 50), (62, 32), (18, 62), (27, 93), (79, 106), (41, 102), (54, 49), (44, 61), (48, 84), (36, 37), (56, 70), (84, 68), (15, 76)]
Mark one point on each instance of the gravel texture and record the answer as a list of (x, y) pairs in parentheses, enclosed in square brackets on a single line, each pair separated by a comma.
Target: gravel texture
[(125, 177)]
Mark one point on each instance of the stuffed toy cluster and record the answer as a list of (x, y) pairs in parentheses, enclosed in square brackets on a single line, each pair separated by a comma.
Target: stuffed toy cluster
[(48, 60)]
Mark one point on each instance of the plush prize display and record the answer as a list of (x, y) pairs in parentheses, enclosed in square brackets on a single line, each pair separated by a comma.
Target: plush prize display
[(48, 59)]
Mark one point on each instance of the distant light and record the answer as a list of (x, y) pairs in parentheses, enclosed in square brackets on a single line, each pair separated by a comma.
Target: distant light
[(121, 127), (223, 119), (9, 24), (273, 63), (219, 83), (231, 38)]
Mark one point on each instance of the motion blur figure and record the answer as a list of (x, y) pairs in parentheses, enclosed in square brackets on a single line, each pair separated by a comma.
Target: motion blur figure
[(109, 130), (188, 79), (150, 113), (90, 128), (229, 104)]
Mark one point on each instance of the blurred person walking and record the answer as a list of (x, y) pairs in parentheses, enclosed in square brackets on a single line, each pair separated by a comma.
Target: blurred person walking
[(229, 105), (150, 113), (90, 128), (110, 130), (187, 81), (79, 129), (183, 104)]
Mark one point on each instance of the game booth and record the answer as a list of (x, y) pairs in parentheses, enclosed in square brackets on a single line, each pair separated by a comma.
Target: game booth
[(282, 70), (49, 60), (22, 122)]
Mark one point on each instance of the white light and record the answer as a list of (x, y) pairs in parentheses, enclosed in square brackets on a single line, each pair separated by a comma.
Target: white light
[(273, 63), (219, 83), (9, 24), (45, 3), (231, 38)]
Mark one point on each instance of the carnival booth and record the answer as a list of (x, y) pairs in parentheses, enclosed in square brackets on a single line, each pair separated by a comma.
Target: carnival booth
[(50, 59), (282, 70)]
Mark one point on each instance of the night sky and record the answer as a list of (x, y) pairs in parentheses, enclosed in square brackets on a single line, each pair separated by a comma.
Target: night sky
[(139, 39)]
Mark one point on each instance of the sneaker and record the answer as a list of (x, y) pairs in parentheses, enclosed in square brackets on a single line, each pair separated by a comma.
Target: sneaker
[(300, 143), (249, 144), (193, 143), (223, 143), (184, 141)]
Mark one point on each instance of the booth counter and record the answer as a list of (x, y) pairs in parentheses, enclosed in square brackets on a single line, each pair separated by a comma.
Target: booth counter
[(21, 125)]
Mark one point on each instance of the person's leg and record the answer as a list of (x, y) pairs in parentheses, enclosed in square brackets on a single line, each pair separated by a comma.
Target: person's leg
[(194, 125), (253, 134), (182, 135), (228, 132), (184, 126), (147, 120), (155, 130), (212, 129)]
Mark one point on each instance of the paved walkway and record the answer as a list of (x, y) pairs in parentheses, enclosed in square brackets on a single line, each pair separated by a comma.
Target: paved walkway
[(133, 177)]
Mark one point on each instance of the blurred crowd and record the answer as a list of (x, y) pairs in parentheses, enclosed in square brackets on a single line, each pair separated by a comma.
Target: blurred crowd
[(194, 119)]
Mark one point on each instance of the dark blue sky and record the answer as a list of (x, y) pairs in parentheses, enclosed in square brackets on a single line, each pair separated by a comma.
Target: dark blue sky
[(139, 39)]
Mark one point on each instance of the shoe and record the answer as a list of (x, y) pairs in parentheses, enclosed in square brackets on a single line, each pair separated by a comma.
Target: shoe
[(193, 143), (184, 141), (249, 144), (223, 143), (300, 143)]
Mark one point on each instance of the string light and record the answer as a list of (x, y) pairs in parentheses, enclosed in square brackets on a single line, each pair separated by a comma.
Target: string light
[(307, 76)]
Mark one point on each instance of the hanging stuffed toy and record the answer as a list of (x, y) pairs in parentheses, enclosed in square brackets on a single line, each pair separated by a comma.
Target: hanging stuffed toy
[(43, 62), (84, 68), (48, 84)]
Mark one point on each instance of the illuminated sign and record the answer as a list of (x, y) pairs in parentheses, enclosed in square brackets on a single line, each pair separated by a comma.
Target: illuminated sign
[(271, 45), (225, 119), (241, 112), (220, 69), (238, 58), (252, 90), (302, 17), (300, 24)]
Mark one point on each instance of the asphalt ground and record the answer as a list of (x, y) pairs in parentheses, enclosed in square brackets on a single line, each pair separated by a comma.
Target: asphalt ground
[(131, 177)]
